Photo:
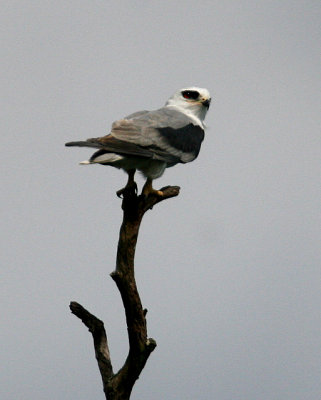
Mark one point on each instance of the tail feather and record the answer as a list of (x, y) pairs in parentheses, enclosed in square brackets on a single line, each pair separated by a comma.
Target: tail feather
[(84, 143), (109, 144)]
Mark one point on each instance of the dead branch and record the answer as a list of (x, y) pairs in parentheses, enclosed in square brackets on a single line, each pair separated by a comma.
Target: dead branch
[(118, 386)]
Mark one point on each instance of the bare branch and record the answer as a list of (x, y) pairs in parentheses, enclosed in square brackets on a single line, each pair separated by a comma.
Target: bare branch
[(119, 386), (97, 329)]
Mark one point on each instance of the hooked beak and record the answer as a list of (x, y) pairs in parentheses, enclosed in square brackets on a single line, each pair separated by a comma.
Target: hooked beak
[(206, 103)]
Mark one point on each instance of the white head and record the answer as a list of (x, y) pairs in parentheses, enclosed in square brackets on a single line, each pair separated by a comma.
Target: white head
[(193, 100)]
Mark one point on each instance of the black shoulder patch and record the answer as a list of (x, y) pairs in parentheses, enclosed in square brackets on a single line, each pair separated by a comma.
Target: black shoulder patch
[(187, 139)]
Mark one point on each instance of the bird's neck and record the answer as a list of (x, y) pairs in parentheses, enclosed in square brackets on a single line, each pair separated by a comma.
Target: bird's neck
[(192, 112)]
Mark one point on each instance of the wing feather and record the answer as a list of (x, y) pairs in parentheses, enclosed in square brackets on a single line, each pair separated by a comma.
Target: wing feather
[(110, 144), (166, 134)]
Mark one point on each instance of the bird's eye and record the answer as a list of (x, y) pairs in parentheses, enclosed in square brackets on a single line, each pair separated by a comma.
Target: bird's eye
[(190, 94)]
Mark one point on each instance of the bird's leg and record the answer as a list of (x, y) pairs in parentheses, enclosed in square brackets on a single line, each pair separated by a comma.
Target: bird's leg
[(148, 189), (130, 185)]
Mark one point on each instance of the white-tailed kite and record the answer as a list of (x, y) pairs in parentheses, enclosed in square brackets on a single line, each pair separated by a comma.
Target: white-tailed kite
[(150, 141)]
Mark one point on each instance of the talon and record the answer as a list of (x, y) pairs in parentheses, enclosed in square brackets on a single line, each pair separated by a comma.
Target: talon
[(148, 190), (120, 192), (155, 192), (130, 186)]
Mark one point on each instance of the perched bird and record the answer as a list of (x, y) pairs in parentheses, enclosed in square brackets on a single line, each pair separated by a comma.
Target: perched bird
[(150, 141)]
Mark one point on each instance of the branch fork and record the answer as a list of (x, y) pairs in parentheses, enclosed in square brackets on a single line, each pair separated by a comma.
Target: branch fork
[(118, 386)]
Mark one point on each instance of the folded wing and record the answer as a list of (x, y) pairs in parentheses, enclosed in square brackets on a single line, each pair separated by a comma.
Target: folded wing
[(165, 134)]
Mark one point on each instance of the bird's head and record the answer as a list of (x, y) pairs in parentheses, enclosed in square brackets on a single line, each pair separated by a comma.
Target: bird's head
[(193, 100)]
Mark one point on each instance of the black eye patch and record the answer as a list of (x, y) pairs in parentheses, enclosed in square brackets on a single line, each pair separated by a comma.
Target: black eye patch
[(190, 94)]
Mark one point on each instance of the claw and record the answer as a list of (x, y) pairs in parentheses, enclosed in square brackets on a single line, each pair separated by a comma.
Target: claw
[(129, 188), (148, 190), (131, 185), (153, 192)]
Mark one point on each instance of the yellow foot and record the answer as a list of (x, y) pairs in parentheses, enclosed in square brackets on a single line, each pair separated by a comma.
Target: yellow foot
[(152, 192), (149, 191), (129, 188)]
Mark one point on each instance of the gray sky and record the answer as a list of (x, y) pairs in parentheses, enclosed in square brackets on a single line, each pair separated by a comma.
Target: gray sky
[(229, 270)]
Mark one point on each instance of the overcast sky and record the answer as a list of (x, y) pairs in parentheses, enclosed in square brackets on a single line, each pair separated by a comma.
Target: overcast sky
[(229, 270)]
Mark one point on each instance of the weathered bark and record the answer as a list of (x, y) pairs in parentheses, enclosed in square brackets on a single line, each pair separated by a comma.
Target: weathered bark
[(118, 386)]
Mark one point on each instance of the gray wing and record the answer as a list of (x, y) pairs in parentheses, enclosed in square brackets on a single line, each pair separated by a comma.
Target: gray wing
[(165, 134), (137, 114)]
